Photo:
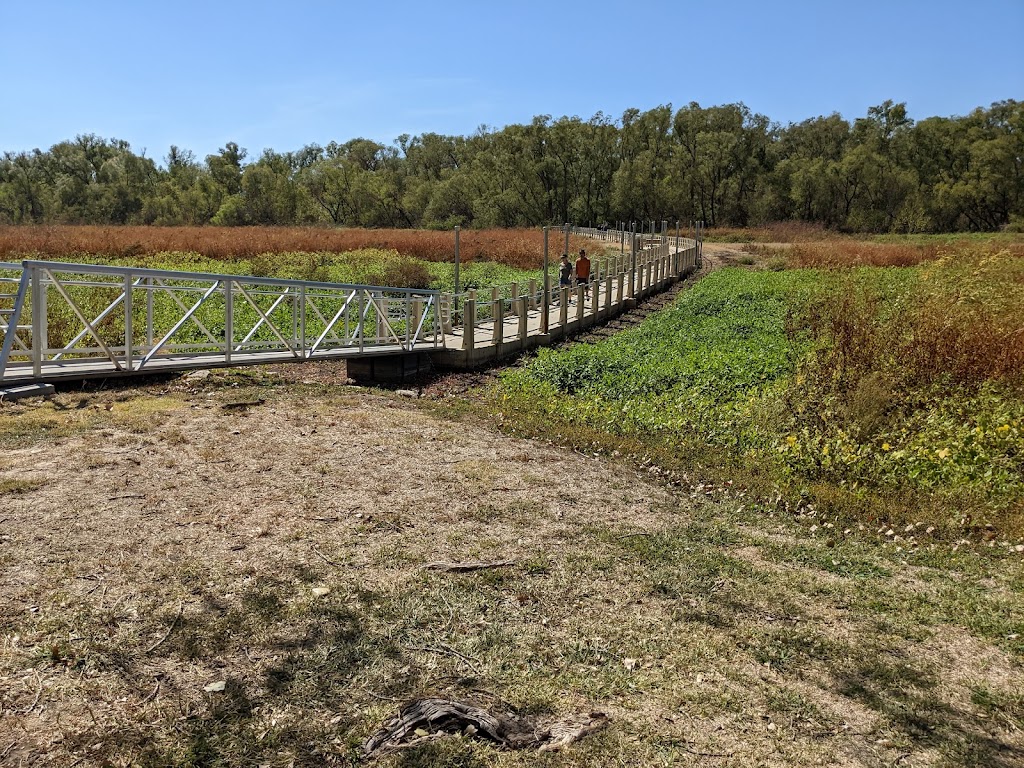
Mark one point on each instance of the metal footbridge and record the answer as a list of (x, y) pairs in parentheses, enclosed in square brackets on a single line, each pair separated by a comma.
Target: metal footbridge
[(62, 321)]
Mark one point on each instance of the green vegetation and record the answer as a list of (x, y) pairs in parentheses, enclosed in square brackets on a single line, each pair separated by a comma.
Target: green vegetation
[(889, 394), (365, 266), (724, 165)]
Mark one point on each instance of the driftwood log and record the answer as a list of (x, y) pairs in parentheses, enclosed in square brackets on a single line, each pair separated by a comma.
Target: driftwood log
[(425, 719)]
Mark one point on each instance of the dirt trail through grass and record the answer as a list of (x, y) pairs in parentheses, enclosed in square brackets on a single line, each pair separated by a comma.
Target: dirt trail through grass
[(182, 583)]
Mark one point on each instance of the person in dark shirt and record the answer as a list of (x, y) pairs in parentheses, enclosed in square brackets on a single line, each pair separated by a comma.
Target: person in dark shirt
[(565, 271)]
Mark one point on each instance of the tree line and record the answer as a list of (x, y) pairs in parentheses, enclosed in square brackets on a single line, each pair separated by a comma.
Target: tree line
[(724, 165)]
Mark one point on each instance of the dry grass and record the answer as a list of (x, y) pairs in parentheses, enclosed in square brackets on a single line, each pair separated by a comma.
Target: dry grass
[(139, 565), (778, 232), (522, 248), (839, 254), (960, 322)]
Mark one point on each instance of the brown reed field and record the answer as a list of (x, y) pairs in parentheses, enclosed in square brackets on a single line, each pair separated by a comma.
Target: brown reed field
[(859, 253), (520, 248)]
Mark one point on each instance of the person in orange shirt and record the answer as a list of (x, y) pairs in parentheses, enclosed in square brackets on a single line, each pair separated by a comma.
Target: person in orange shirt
[(582, 269)]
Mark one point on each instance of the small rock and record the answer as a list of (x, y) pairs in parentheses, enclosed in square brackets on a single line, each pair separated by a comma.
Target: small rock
[(321, 591), (199, 375), (216, 687), (405, 393)]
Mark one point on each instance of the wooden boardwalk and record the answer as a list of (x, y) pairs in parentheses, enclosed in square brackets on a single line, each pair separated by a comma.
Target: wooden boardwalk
[(523, 323)]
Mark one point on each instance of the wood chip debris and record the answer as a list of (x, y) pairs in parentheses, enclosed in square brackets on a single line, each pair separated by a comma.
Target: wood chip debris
[(431, 718)]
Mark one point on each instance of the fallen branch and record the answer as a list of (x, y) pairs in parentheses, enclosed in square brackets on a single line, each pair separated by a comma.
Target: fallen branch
[(36, 699), (465, 567), (242, 404), (324, 557), (162, 640), (153, 694)]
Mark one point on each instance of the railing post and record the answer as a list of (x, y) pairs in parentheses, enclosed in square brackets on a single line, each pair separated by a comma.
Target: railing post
[(563, 307), (469, 322), (457, 261), (524, 326), (448, 312), (608, 293), (149, 313), (302, 321), (545, 309), (361, 318), (581, 302), (498, 315), (632, 265), (39, 341), (229, 318), (415, 315), (128, 332)]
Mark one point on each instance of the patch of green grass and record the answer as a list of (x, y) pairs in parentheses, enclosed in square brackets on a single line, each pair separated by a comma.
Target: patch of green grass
[(14, 485)]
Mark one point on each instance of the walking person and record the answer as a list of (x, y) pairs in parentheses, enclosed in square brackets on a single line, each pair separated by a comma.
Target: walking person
[(564, 274), (582, 269)]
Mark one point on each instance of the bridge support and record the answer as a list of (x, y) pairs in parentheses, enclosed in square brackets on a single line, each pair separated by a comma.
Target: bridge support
[(389, 369)]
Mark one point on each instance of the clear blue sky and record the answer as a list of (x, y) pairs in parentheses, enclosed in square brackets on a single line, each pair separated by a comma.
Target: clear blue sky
[(285, 74)]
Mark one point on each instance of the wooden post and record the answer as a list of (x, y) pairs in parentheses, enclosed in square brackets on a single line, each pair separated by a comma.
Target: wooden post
[(545, 314), (563, 307), (632, 265), (581, 301), (524, 330), (469, 321), (638, 289), (595, 295), (457, 286), (608, 295), (498, 314), (417, 317)]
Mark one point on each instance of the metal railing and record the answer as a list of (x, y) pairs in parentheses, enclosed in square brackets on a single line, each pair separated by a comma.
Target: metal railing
[(58, 319)]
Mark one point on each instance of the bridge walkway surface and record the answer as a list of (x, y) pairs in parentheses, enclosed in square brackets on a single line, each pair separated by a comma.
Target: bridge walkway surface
[(61, 321)]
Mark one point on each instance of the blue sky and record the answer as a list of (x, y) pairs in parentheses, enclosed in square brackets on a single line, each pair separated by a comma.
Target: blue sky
[(285, 74)]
